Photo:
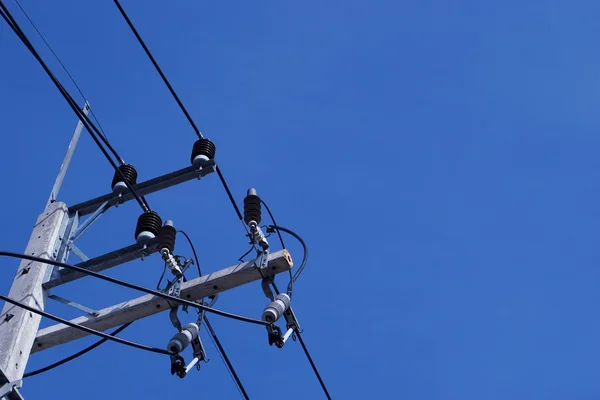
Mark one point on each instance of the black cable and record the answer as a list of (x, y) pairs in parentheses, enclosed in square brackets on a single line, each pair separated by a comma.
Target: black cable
[(241, 259), (304, 246), (5, 13), (193, 250), (83, 328), (226, 360), (274, 222), (290, 289), (65, 69), (214, 337), (158, 69), (312, 364), (231, 199), (76, 355), (134, 287), (174, 94)]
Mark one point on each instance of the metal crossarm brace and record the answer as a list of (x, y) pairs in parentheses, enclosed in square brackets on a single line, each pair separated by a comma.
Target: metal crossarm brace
[(145, 188), (106, 261)]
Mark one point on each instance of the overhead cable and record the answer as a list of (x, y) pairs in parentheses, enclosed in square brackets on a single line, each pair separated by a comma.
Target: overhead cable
[(134, 287), (90, 127), (85, 98), (179, 102)]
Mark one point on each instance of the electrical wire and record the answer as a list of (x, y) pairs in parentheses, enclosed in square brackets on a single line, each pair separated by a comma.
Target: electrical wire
[(90, 127), (304, 247), (226, 360), (312, 364), (290, 289), (134, 287), (274, 222), (76, 355), (158, 69), (213, 335), (63, 67), (181, 106), (193, 250), (83, 328), (298, 334)]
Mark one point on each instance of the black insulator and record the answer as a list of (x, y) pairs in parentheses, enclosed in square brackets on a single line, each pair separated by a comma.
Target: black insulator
[(252, 209), (203, 147), (128, 172), (166, 238), (148, 222)]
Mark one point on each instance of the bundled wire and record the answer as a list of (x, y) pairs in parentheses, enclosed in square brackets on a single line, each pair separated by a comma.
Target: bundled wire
[(65, 69), (89, 125)]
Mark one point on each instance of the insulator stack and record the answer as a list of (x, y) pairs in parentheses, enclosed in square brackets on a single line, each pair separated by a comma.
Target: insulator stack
[(276, 308), (130, 175), (203, 151), (171, 263), (183, 339), (148, 226), (252, 208), (167, 237)]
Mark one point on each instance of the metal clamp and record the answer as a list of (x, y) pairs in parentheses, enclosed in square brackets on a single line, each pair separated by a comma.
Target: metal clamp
[(10, 391)]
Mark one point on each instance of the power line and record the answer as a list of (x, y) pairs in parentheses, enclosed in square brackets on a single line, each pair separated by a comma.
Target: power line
[(226, 360), (214, 336), (76, 355), (5, 13), (312, 364), (83, 328), (291, 284), (85, 98), (158, 69), (304, 247), (193, 251), (134, 287), (306, 352), (181, 106)]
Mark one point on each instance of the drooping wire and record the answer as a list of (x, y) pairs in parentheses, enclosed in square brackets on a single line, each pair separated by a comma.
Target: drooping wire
[(274, 222), (64, 68), (176, 97), (193, 251), (290, 289), (83, 328), (134, 287), (304, 257), (90, 127), (76, 355), (213, 335)]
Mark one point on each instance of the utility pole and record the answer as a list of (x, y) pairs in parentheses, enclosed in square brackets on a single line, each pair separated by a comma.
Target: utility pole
[(54, 236), (18, 327)]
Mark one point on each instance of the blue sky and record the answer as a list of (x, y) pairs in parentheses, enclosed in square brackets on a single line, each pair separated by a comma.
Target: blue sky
[(440, 159)]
